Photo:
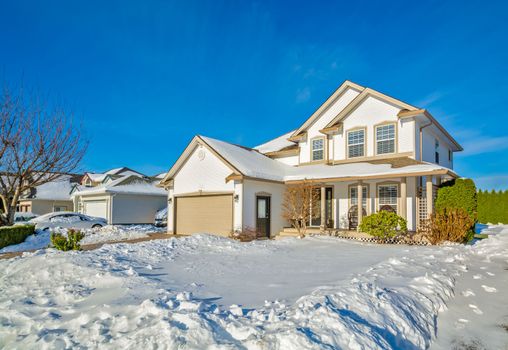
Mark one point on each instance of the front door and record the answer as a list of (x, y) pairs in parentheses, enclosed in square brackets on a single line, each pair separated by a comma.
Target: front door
[(263, 216)]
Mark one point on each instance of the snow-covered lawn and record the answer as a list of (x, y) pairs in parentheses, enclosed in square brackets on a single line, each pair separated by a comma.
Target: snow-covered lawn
[(107, 233), (322, 293)]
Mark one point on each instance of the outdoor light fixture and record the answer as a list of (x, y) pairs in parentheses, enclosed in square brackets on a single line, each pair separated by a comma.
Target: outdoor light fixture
[(236, 197), (170, 200)]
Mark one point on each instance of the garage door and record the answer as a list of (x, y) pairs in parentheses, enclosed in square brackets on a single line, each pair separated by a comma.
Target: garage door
[(204, 214), (96, 208)]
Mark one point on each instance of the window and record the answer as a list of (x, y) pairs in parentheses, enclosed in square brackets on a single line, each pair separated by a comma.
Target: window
[(318, 146), (356, 143), (353, 196), (387, 197), (60, 208), (450, 155), (436, 152), (385, 139)]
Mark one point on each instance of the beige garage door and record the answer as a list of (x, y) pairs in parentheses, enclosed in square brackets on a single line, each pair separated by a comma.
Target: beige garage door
[(204, 214)]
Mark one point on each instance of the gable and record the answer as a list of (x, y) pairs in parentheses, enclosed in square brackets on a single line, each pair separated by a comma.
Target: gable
[(330, 101)]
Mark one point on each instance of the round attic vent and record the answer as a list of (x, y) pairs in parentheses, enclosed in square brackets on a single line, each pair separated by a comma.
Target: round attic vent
[(201, 154)]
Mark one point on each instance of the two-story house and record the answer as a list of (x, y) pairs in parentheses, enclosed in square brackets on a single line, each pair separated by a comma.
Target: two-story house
[(363, 149)]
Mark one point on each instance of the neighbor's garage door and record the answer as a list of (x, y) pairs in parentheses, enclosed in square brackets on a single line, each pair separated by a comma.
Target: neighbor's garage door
[(204, 214), (96, 208)]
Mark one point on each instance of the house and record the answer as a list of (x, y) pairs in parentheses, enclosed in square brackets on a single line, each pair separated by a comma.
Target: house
[(121, 196), (49, 197), (365, 150)]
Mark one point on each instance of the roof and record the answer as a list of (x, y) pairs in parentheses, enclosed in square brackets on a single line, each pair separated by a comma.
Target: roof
[(277, 144), (246, 162), (129, 184), (58, 189)]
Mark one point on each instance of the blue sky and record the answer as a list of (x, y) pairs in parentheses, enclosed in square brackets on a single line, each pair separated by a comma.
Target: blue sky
[(146, 76)]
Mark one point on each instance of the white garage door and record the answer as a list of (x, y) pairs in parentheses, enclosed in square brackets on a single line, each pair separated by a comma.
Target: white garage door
[(96, 208)]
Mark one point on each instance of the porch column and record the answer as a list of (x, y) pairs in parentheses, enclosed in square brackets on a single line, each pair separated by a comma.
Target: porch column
[(403, 197), (359, 190), (323, 208), (430, 196)]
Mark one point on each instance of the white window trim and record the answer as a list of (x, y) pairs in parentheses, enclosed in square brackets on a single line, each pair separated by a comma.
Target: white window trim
[(397, 186), (394, 138)]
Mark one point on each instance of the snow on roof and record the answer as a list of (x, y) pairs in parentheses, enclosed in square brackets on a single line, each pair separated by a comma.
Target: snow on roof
[(253, 164), (276, 144), (58, 189), (136, 186), (161, 175), (248, 161), (96, 177)]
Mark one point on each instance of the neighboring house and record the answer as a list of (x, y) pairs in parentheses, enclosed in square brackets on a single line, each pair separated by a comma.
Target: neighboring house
[(364, 149), (49, 197), (121, 196)]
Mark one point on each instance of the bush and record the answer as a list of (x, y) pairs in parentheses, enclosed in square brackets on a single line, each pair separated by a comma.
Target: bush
[(493, 207), (247, 234), (15, 234), (384, 224), (71, 242), (453, 225)]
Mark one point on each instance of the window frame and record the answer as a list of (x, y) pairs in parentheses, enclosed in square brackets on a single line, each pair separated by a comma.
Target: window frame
[(364, 129), (382, 184), (324, 149), (395, 137)]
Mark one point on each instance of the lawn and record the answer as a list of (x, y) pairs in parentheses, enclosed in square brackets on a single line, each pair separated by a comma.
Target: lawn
[(206, 291)]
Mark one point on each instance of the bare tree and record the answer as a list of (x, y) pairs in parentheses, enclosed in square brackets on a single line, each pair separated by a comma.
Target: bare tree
[(38, 144), (299, 205)]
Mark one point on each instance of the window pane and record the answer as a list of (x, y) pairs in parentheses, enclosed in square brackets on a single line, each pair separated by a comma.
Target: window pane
[(387, 195), (355, 141), (261, 208), (318, 149), (317, 155), (385, 138), (317, 144), (353, 196)]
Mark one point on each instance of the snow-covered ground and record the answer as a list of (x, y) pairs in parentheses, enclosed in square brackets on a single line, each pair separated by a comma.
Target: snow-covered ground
[(323, 293), (104, 234)]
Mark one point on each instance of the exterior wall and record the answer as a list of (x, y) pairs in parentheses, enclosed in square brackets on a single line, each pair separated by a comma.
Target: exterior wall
[(42, 206), (207, 174), (319, 124), (135, 209), (369, 114), (341, 200), (429, 137), (275, 192)]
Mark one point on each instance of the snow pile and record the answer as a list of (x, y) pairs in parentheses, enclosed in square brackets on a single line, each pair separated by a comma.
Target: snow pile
[(111, 297), (107, 233)]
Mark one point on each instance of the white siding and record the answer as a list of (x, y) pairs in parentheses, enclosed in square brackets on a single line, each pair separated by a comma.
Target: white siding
[(276, 191), (430, 134), (206, 174), (368, 114)]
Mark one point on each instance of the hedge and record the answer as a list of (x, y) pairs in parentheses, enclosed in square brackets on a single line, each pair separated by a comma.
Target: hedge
[(493, 207), (15, 234)]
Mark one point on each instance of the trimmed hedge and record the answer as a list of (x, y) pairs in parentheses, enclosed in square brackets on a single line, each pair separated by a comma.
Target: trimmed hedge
[(10, 235), (459, 194), (493, 207)]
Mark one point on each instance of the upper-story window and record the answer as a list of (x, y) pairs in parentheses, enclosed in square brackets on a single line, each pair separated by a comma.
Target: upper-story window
[(318, 149), (436, 151), (385, 139), (356, 143), (450, 155)]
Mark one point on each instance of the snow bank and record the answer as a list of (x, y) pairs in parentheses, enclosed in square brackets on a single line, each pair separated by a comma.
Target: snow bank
[(98, 299)]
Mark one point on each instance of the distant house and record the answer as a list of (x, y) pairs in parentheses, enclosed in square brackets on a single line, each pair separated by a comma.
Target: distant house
[(50, 197), (121, 196)]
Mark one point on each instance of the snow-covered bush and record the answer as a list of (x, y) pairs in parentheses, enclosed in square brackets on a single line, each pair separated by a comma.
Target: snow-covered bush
[(246, 234), (69, 242), (15, 234), (384, 224)]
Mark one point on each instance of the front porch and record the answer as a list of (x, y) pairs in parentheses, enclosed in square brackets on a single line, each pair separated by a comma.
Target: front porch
[(341, 205)]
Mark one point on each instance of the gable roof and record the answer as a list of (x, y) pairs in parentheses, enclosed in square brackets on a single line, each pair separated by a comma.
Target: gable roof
[(327, 104), (356, 102), (128, 184)]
